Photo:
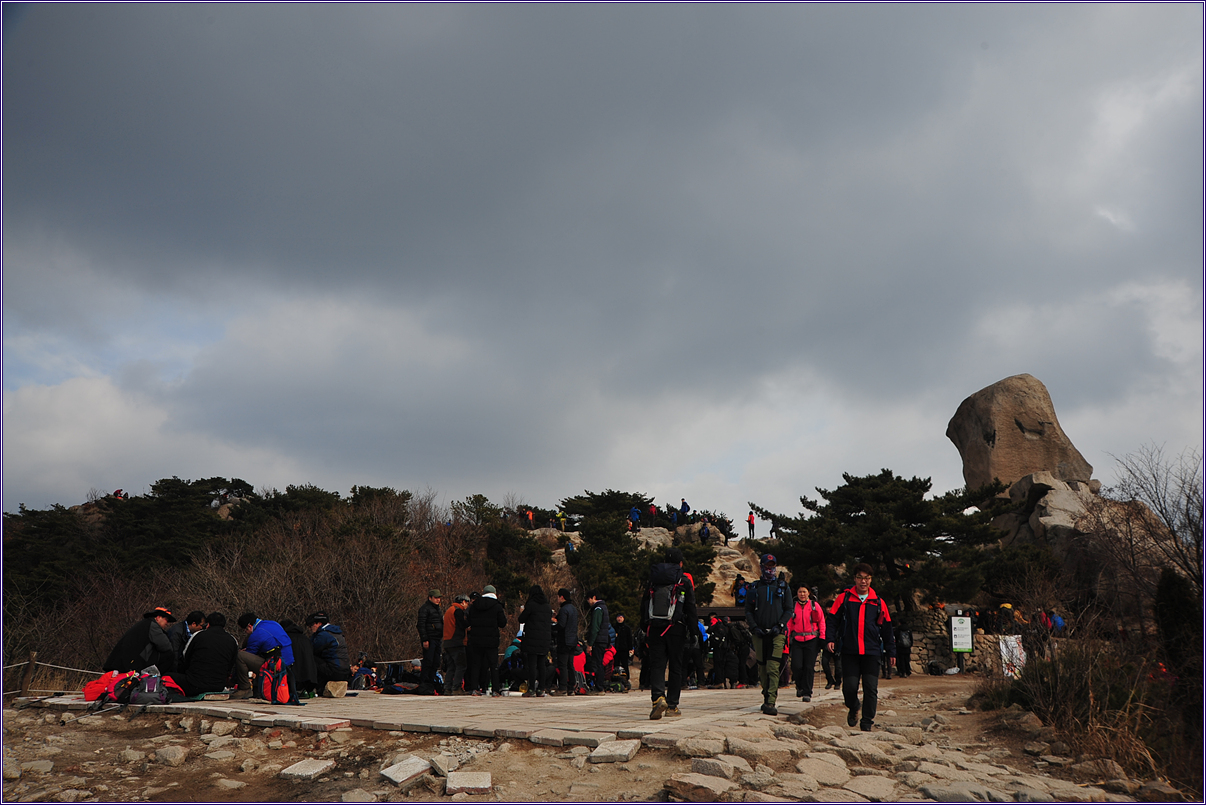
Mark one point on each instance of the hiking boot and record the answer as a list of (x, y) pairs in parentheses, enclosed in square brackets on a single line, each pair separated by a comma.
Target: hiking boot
[(852, 717), (770, 709), (527, 694), (808, 698), (495, 694), (673, 711), (241, 693), (866, 726), (659, 707)]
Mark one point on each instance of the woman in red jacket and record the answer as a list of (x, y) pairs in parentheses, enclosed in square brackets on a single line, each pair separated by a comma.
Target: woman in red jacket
[(805, 634)]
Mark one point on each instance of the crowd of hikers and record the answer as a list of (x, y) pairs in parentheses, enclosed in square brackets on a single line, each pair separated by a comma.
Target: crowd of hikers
[(557, 651)]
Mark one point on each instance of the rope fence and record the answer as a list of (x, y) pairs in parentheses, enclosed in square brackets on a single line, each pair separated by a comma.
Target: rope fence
[(31, 665)]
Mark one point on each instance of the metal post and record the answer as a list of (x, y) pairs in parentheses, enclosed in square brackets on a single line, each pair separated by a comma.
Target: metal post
[(27, 680)]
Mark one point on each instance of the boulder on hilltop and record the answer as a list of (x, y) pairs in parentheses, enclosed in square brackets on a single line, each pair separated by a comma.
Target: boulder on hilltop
[(1009, 430)]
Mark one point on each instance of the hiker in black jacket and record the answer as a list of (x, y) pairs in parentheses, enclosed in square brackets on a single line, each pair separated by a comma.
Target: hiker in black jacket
[(667, 611), (484, 617), (145, 644), (567, 631), (209, 658), (537, 619), (431, 635), (768, 608)]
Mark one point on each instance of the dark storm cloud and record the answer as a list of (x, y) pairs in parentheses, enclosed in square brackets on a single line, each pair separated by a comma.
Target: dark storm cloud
[(581, 208)]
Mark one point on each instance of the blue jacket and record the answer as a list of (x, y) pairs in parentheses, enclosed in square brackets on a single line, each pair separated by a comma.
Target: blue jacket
[(331, 648), (267, 635)]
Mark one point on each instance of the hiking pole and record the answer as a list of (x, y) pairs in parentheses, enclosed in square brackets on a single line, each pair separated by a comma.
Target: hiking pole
[(32, 702), (65, 721)]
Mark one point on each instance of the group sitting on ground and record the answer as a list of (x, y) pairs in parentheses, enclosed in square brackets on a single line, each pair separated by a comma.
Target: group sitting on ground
[(198, 656)]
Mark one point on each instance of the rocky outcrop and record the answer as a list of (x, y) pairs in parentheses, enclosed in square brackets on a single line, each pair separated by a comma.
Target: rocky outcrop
[(1009, 430)]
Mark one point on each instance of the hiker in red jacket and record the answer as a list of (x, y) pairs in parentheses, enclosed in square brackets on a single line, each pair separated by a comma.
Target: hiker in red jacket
[(862, 632)]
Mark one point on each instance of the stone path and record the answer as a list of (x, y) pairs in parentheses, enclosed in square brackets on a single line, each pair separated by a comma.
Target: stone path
[(736, 753)]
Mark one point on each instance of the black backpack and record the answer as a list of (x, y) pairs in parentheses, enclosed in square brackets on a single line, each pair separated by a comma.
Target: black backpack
[(667, 592)]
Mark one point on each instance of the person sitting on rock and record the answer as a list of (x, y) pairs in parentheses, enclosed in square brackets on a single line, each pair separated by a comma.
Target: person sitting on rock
[(209, 659), (330, 651), (180, 632), (263, 638), (144, 644)]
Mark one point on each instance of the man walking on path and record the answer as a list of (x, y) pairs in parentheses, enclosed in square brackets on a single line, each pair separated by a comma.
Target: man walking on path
[(667, 611), (862, 631), (431, 635), (767, 610)]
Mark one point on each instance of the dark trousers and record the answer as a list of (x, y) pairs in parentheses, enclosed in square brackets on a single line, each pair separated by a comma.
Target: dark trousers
[(565, 669), (596, 664), (804, 664), (534, 664), (328, 672), (666, 650), (459, 662), (831, 664), (483, 668), (431, 662), (903, 657), (864, 667)]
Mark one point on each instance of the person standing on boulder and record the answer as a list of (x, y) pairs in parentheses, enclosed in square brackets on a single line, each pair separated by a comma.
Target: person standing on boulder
[(767, 610), (862, 631), (750, 522)]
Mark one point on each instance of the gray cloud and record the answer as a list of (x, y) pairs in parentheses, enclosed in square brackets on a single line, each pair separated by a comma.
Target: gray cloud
[(446, 243)]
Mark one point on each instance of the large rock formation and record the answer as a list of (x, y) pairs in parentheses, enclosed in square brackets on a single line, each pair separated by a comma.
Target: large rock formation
[(1009, 430)]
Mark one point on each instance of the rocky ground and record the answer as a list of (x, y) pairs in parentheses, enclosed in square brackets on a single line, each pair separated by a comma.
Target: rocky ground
[(927, 746)]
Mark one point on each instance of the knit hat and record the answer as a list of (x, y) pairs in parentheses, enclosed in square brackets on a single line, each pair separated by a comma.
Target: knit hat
[(489, 588)]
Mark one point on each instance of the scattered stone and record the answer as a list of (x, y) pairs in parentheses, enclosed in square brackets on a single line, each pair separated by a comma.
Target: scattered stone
[(468, 782), (358, 794), (221, 754), (773, 753), (307, 769), (1037, 748), (37, 766), (250, 764), (1102, 769), (407, 772), (873, 787), (187, 723), (131, 755), (963, 791), (823, 771), (337, 690), (171, 755), (1158, 791), (693, 787), (230, 785), (615, 751), (12, 771), (443, 764), (71, 795), (700, 747), (833, 795), (1056, 760), (913, 735), (713, 767), (758, 780), (738, 763), (223, 727)]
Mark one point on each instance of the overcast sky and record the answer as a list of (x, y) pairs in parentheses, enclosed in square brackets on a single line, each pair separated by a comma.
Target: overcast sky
[(726, 252)]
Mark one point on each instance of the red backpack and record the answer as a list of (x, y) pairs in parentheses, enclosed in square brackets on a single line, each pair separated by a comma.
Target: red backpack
[(272, 682)]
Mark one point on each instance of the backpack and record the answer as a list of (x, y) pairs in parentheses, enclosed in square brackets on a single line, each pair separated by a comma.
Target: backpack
[(904, 638), (666, 594), (272, 682), (148, 689), (739, 597)]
